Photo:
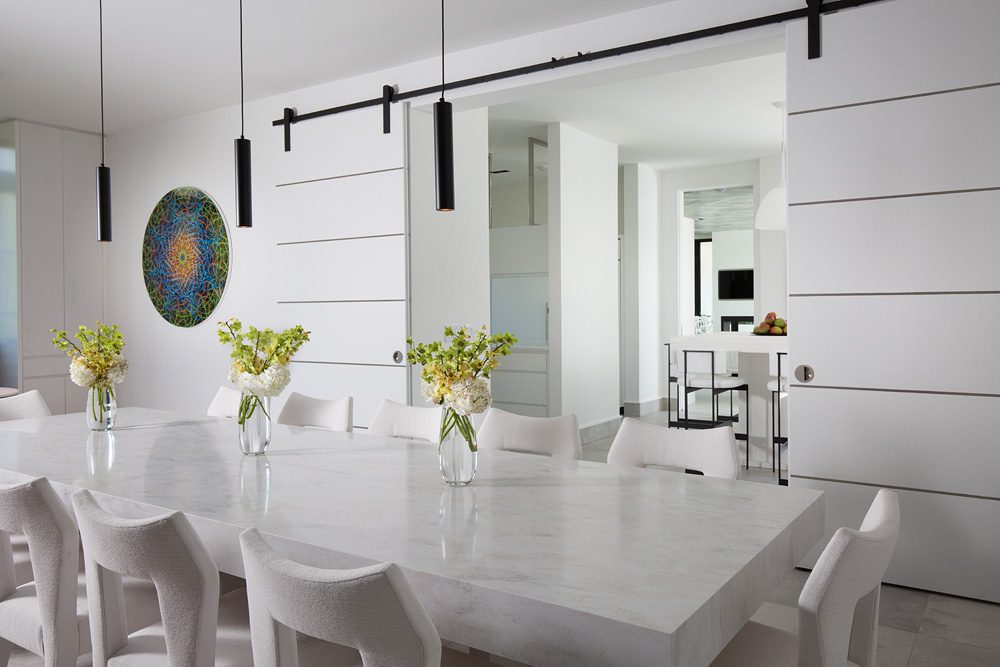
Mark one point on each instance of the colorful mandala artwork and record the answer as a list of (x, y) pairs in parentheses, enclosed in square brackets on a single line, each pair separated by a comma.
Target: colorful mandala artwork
[(185, 256)]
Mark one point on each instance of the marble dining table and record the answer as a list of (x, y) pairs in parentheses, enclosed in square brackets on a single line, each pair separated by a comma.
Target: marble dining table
[(540, 561)]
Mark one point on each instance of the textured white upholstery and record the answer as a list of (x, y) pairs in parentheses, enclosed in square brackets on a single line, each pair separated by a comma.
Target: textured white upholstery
[(558, 437), (405, 421), (371, 609), (699, 370), (720, 382), (225, 404), (838, 606), (710, 451), (28, 405), (301, 410), (166, 550), (772, 385)]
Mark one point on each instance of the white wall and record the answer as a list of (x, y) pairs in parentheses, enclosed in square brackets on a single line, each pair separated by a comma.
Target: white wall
[(730, 250), (866, 128), (8, 258), (449, 252), (640, 291), (583, 274)]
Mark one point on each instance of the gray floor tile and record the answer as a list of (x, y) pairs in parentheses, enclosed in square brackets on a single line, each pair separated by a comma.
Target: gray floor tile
[(963, 621), (933, 652), (894, 647), (902, 608), (778, 616), (787, 592)]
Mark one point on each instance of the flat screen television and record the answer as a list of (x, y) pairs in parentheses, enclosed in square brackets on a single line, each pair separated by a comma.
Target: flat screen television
[(735, 284)]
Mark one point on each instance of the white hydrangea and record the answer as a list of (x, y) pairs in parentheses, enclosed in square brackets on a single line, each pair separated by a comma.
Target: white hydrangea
[(469, 397), (81, 374), (429, 392), (116, 373), (268, 384)]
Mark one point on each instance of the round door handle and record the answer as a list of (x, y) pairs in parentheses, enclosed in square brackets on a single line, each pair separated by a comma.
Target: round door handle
[(397, 356), (804, 373)]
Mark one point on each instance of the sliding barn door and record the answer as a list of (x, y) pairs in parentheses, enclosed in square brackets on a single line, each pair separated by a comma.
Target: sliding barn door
[(341, 255), (894, 232)]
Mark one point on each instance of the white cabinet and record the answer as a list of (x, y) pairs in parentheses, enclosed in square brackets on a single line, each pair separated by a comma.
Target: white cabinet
[(50, 236)]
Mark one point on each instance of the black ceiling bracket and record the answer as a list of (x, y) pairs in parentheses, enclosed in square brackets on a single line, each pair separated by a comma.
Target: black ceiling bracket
[(287, 120), (811, 12), (813, 30), (388, 92)]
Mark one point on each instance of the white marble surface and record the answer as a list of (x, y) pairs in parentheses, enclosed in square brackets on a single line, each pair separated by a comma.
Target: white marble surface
[(543, 562), (731, 341)]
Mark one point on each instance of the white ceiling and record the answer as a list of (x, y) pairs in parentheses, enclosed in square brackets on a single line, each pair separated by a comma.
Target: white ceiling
[(704, 115), (169, 59)]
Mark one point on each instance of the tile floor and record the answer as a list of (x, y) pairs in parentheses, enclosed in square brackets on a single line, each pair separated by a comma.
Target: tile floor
[(916, 628)]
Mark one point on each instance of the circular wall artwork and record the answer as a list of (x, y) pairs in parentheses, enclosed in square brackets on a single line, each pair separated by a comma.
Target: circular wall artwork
[(185, 256)]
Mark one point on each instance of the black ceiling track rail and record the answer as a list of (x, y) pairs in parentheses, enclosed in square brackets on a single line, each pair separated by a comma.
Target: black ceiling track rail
[(812, 12)]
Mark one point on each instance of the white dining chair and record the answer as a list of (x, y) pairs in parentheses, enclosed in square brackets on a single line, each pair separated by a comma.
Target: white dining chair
[(369, 615), (335, 414), (838, 607), (225, 404), (710, 451), (28, 405), (558, 437), (198, 628), (405, 421), (48, 616)]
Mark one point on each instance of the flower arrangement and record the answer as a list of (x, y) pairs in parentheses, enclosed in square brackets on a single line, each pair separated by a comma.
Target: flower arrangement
[(260, 362), (454, 374), (97, 364)]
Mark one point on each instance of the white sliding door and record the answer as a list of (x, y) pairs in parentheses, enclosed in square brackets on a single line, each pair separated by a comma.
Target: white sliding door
[(894, 186)]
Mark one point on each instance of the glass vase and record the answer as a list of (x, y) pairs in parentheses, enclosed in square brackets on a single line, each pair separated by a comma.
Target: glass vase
[(458, 455), (101, 408), (254, 423)]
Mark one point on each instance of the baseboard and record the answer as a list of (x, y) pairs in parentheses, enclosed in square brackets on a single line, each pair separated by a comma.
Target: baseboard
[(637, 410), (599, 431)]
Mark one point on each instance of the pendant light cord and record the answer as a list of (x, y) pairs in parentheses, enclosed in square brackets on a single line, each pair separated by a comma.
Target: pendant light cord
[(242, 121), (100, 14), (442, 50)]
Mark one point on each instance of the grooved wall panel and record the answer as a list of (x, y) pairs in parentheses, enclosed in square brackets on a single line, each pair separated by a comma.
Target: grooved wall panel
[(922, 342), (360, 269), (367, 332), (935, 243), (365, 205)]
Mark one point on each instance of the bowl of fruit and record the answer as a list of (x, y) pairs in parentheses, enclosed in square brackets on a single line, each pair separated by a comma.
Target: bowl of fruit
[(771, 326)]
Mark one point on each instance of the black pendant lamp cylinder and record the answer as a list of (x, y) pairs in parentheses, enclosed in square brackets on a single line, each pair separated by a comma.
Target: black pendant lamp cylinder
[(444, 156), (104, 203), (244, 200)]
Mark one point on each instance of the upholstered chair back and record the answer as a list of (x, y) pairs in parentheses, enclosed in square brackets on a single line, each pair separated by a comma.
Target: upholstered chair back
[(558, 437), (164, 549), (28, 405), (301, 410), (225, 404), (710, 451), (405, 421), (371, 609)]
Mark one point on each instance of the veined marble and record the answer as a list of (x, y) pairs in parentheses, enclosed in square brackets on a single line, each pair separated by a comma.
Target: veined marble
[(540, 561)]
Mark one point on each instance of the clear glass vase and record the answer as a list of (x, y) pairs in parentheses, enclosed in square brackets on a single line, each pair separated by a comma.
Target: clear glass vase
[(101, 408), (254, 422), (458, 455)]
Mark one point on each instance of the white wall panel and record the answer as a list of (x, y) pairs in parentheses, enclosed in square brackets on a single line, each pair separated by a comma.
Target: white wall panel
[(526, 410), (84, 266), (927, 144), (331, 147), (908, 440), (525, 361), (54, 363), (52, 389), (367, 384), (366, 205), (921, 342), (520, 387), (956, 534), (886, 50), (913, 244), (349, 332), (359, 269), (40, 216)]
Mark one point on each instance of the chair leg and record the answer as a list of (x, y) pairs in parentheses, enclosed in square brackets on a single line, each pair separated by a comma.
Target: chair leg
[(747, 392), (772, 433)]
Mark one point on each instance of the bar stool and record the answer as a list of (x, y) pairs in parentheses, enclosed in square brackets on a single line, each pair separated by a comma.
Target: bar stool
[(778, 386), (699, 370), (198, 629), (369, 612), (672, 380)]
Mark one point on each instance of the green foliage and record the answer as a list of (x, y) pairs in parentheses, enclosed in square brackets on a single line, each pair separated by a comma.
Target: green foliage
[(469, 354), (256, 350)]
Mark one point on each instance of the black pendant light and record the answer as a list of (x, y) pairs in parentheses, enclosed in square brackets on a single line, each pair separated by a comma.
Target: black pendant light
[(244, 203), (444, 156), (103, 171)]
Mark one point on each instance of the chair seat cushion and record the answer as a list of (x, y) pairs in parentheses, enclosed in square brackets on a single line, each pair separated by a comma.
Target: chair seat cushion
[(20, 617), (149, 646), (759, 645), (720, 381), (773, 384)]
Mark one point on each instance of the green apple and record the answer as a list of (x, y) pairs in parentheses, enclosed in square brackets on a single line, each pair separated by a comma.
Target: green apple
[(780, 323)]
